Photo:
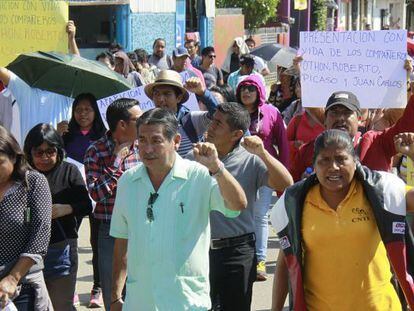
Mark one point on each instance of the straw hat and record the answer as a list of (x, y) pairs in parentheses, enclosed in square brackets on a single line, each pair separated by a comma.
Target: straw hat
[(167, 77)]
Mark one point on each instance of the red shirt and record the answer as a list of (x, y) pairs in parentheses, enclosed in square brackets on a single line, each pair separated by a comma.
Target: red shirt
[(299, 128), (375, 148), (103, 169)]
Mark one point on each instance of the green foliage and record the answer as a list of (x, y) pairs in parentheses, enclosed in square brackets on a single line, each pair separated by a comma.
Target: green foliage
[(319, 16), (256, 12)]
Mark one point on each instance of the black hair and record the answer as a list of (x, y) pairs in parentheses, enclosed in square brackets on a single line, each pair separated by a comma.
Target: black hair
[(43, 133), (334, 138), (132, 56), (158, 39), (162, 117), (207, 50), (10, 147), (238, 95), (248, 60), (98, 128), (237, 116), (118, 111), (224, 90), (107, 55), (250, 39), (115, 47), (142, 55), (196, 43)]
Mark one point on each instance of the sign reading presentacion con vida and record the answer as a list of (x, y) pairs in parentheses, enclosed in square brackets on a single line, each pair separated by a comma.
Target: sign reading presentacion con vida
[(368, 63), (32, 25)]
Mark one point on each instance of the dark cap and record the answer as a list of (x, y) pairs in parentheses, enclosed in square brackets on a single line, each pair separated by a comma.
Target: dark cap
[(180, 51), (247, 59), (346, 99)]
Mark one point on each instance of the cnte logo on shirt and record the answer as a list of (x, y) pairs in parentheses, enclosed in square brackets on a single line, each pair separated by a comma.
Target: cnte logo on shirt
[(362, 215)]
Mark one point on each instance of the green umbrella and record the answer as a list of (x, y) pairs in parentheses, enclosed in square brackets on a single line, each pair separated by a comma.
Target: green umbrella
[(68, 74)]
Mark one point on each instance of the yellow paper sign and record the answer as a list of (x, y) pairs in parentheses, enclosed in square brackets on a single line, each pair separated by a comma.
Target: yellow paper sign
[(32, 25), (300, 4), (410, 172)]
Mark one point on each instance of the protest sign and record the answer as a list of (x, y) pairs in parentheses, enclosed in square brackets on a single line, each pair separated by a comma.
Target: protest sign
[(32, 25), (144, 102), (368, 63)]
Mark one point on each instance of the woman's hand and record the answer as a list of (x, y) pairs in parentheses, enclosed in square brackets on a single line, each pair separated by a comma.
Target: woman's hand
[(60, 210), (62, 127), (8, 286)]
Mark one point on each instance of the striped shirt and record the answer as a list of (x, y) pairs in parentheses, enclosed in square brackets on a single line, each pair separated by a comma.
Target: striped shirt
[(103, 169), (200, 121)]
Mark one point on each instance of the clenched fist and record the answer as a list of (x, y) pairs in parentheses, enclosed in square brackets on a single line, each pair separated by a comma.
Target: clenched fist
[(254, 145), (206, 154)]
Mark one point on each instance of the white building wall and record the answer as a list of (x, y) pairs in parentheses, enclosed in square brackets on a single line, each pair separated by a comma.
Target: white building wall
[(153, 6)]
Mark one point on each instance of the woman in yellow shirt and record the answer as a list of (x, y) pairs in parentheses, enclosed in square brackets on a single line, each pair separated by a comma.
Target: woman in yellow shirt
[(341, 231)]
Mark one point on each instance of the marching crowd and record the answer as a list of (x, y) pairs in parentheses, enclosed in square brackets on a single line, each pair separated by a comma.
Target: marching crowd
[(178, 200)]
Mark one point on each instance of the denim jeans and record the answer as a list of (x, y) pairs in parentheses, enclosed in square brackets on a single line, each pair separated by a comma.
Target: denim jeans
[(105, 251), (62, 289), (261, 220)]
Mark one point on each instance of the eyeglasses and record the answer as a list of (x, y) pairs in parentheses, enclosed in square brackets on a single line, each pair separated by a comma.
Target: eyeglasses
[(151, 201), (212, 56), (38, 153), (249, 88)]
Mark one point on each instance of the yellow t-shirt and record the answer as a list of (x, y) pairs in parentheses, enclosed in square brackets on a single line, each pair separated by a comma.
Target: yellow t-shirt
[(346, 264)]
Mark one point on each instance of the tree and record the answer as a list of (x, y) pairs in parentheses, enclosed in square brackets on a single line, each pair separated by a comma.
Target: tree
[(319, 10), (256, 12)]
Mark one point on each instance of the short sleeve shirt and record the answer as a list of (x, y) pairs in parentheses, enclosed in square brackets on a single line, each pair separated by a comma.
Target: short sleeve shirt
[(251, 173), (167, 257), (211, 75), (259, 64), (346, 261)]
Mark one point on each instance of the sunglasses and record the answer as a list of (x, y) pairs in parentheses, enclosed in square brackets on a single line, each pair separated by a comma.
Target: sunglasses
[(49, 152), (249, 88), (151, 200), (212, 56)]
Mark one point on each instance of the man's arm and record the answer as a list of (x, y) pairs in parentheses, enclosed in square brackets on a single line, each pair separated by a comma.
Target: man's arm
[(119, 266), (195, 86), (5, 76), (404, 144), (280, 283), (102, 180), (279, 177), (232, 192), (220, 78), (71, 31)]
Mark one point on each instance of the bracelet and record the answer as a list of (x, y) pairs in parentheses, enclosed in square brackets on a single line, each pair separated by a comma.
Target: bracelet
[(116, 300), (219, 171)]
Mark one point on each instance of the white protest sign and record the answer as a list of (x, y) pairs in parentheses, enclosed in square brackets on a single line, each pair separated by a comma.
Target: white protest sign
[(144, 102), (368, 63)]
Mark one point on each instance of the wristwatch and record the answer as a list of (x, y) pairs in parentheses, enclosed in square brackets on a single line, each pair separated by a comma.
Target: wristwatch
[(219, 171)]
